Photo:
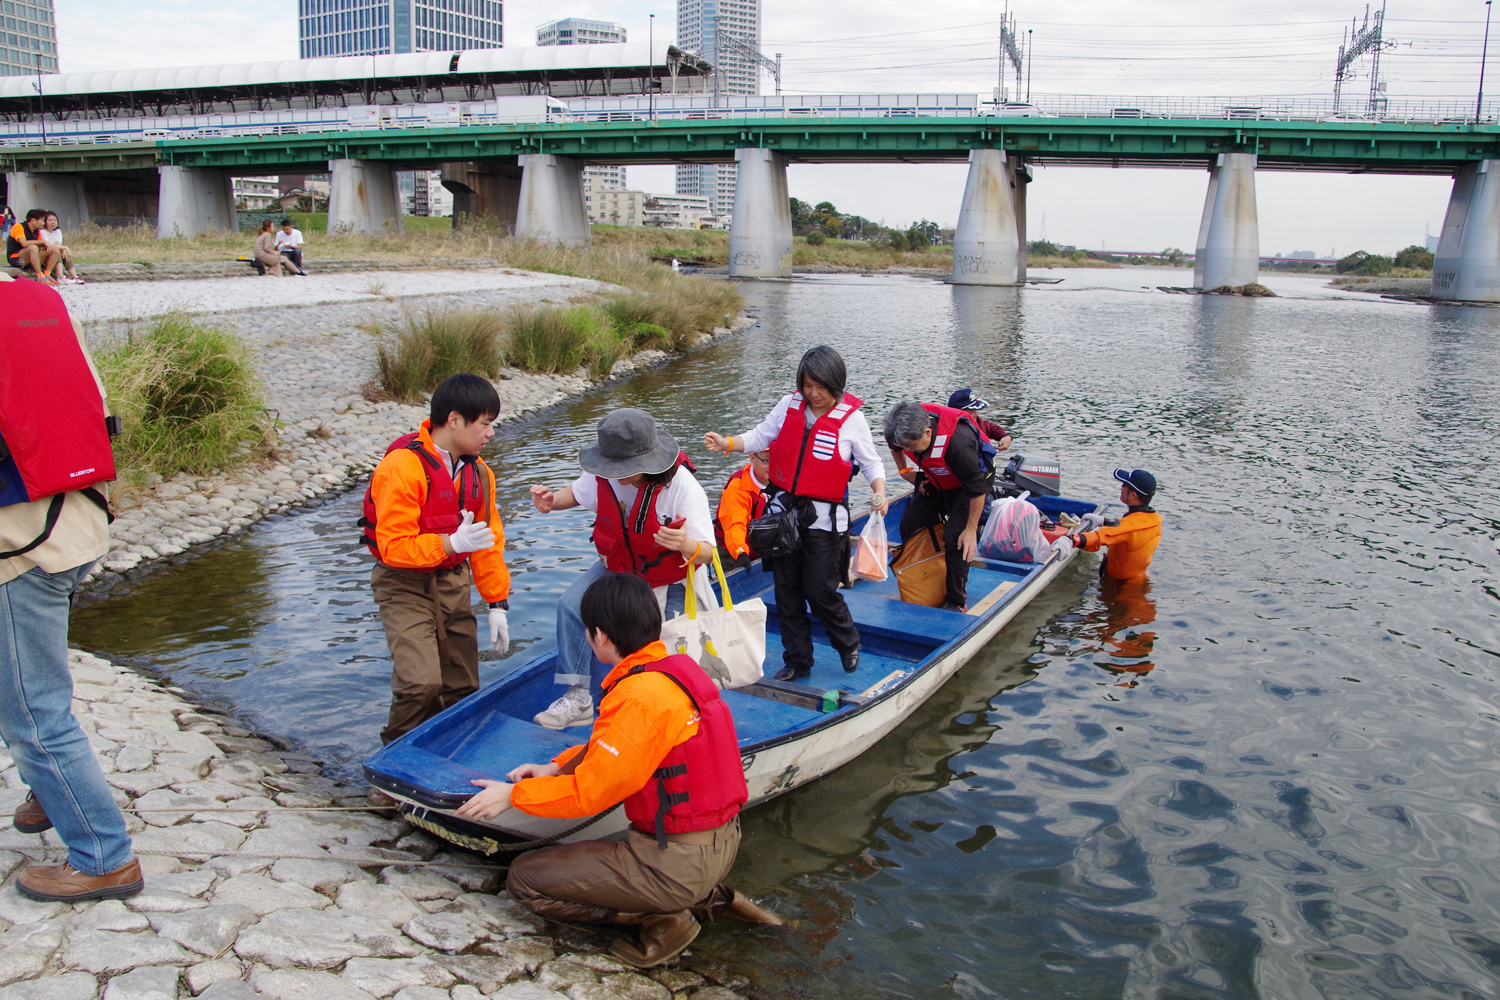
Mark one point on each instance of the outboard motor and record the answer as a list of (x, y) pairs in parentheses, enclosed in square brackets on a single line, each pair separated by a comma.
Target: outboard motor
[(1035, 474)]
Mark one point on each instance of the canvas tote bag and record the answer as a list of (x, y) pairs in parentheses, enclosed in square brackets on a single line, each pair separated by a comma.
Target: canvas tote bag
[(729, 643), (921, 572)]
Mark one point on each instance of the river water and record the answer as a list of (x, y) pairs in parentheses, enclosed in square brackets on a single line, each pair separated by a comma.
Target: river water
[(1270, 774)]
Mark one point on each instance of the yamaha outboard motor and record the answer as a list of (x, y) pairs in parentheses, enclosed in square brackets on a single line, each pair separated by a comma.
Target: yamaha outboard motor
[(1034, 474)]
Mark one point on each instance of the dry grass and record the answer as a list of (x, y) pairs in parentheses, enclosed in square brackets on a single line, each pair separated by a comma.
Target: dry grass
[(423, 348), (189, 398), (560, 339)]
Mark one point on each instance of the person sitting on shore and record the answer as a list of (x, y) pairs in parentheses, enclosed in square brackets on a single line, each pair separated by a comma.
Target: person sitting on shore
[(24, 247), (652, 522), (289, 243), (953, 470), (1132, 541), (53, 236), (265, 258), (667, 733), (964, 399), (432, 525), (743, 500)]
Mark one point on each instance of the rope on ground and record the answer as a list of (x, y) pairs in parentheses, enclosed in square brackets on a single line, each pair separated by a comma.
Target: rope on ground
[(360, 862)]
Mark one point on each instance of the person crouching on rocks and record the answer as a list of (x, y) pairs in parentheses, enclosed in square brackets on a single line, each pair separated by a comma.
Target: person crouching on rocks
[(432, 525), (652, 522), (662, 730)]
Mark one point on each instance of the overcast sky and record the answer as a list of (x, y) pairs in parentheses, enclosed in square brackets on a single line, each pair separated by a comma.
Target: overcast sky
[(1283, 51)]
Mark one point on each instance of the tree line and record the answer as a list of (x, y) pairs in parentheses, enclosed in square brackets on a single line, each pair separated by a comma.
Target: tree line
[(823, 221)]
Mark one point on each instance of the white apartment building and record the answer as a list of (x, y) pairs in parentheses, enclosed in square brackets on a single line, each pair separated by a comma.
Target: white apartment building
[(700, 23), (257, 194), (640, 208), (579, 31)]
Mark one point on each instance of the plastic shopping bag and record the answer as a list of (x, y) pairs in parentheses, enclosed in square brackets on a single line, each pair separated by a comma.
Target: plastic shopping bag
[(1014, 533), (872, 551), (729, 643)]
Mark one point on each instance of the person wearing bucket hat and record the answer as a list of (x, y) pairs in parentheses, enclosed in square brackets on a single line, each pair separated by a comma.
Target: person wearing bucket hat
[(964, 399), (652, 521), (1132, 541), (816, 436)]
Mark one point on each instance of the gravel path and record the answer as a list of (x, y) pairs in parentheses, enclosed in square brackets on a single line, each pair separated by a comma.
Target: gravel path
[(368, 908)]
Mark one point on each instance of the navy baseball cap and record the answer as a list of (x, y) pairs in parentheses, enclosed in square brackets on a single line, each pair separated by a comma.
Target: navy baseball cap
[(1140, 480), (964, 399)]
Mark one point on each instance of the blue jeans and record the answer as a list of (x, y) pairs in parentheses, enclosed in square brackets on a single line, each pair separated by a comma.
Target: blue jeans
[(576, 663), (36, 720)]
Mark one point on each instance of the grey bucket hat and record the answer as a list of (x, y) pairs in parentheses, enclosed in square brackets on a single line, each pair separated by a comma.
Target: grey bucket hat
[(628, 443)]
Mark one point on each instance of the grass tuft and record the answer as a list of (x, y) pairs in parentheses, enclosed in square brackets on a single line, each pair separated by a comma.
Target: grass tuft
[(424, 348), (559, 339), (189, 397)]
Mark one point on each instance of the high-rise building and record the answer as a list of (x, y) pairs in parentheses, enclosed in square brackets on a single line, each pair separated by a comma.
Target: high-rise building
[(579, 31), (700, 25), (378, 27), (28, 37)]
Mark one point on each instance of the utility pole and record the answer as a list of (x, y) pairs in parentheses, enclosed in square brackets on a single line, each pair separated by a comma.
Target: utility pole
[(1028, 65), (1483, 58), (41, 105), (1361, 40), (1008, 53), (651, 67)]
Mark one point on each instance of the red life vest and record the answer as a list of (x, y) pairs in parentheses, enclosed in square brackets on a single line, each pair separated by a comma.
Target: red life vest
[(700, 784), (627, 544), (443, 510), (805, 461), (740, 482), (934, 464), (53, 433)]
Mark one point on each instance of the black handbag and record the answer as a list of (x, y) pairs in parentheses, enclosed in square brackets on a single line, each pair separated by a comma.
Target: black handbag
[(775, 534)]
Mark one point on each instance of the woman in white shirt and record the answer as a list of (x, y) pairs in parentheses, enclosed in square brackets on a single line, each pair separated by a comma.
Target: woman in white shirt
[(652, 520), (816, 437), (52, 236)]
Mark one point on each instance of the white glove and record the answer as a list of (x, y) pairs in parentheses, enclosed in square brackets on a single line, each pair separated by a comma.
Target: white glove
[(1064, 544), (499, 629), (1092, 522), (471, 537)]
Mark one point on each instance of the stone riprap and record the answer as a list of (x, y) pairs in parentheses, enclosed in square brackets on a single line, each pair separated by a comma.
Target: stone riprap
[(197, 270), (251, 892), (313, 362)]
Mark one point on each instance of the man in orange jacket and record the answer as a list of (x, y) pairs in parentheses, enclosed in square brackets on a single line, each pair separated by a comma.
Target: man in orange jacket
[(743, 500), (663, 744), (1132, 542), (432, 525)]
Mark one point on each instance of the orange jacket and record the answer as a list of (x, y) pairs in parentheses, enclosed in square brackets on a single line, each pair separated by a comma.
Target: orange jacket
[(737, 506), (640, 721), (1130, 543), (398, 487)]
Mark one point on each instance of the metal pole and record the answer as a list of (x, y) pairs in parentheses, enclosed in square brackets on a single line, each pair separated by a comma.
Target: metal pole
[(41, 105), (1483, 56), (651, 66), (1028, 65)]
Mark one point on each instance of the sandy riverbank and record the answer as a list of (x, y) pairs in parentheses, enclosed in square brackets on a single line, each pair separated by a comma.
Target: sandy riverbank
[(313, 358), (256, 888)]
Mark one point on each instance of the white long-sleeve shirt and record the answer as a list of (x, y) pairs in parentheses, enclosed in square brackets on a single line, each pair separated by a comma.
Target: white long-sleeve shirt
[(855, 441)]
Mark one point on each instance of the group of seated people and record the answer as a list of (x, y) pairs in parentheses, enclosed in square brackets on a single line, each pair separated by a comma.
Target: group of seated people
[(278, 250), (35, 244)]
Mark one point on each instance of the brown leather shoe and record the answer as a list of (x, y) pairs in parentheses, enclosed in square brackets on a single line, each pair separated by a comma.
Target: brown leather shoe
[(725, 902), (664, 936), (31, 817), (65, 884)]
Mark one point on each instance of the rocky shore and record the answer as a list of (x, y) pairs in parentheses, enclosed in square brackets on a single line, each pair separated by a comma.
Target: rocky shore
[(314, 362), (265, 879)]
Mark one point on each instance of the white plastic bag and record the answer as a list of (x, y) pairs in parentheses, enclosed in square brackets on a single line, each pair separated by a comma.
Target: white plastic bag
[(728, 643), (1014, 533), (872, 551)]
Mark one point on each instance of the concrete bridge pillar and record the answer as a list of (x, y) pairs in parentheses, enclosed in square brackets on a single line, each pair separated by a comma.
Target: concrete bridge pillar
[(760, 232), (483, 190), (60, 193), (194, 200), (551, 200), (989, 245), (362, 198), (1467, 268), (1228, 250)]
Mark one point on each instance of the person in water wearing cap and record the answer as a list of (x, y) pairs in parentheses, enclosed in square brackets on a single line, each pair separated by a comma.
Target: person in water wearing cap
[(1132, 541), (964, 399), (653, 521)]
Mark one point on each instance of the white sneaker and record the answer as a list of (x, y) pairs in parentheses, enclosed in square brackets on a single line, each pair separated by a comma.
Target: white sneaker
[(574, 708)]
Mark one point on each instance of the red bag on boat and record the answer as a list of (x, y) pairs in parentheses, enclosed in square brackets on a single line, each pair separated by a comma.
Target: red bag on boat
[(872, 550), (1014, 533)]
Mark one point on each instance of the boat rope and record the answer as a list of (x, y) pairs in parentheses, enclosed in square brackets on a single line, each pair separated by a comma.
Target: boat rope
[(361, 862)]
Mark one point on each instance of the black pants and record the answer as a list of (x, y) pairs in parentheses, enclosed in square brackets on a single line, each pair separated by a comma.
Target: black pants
[(930, 505), (807, 578), (295, 256)]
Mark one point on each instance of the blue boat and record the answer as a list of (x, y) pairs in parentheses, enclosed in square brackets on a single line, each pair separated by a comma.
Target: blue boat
[(789, 733)]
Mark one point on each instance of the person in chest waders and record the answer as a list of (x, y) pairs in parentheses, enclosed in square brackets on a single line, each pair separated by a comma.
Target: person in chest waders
[(652, 522), (665, 746), (816, 436)]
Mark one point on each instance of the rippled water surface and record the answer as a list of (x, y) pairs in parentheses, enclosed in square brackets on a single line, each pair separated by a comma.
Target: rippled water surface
[(1271, 773)]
